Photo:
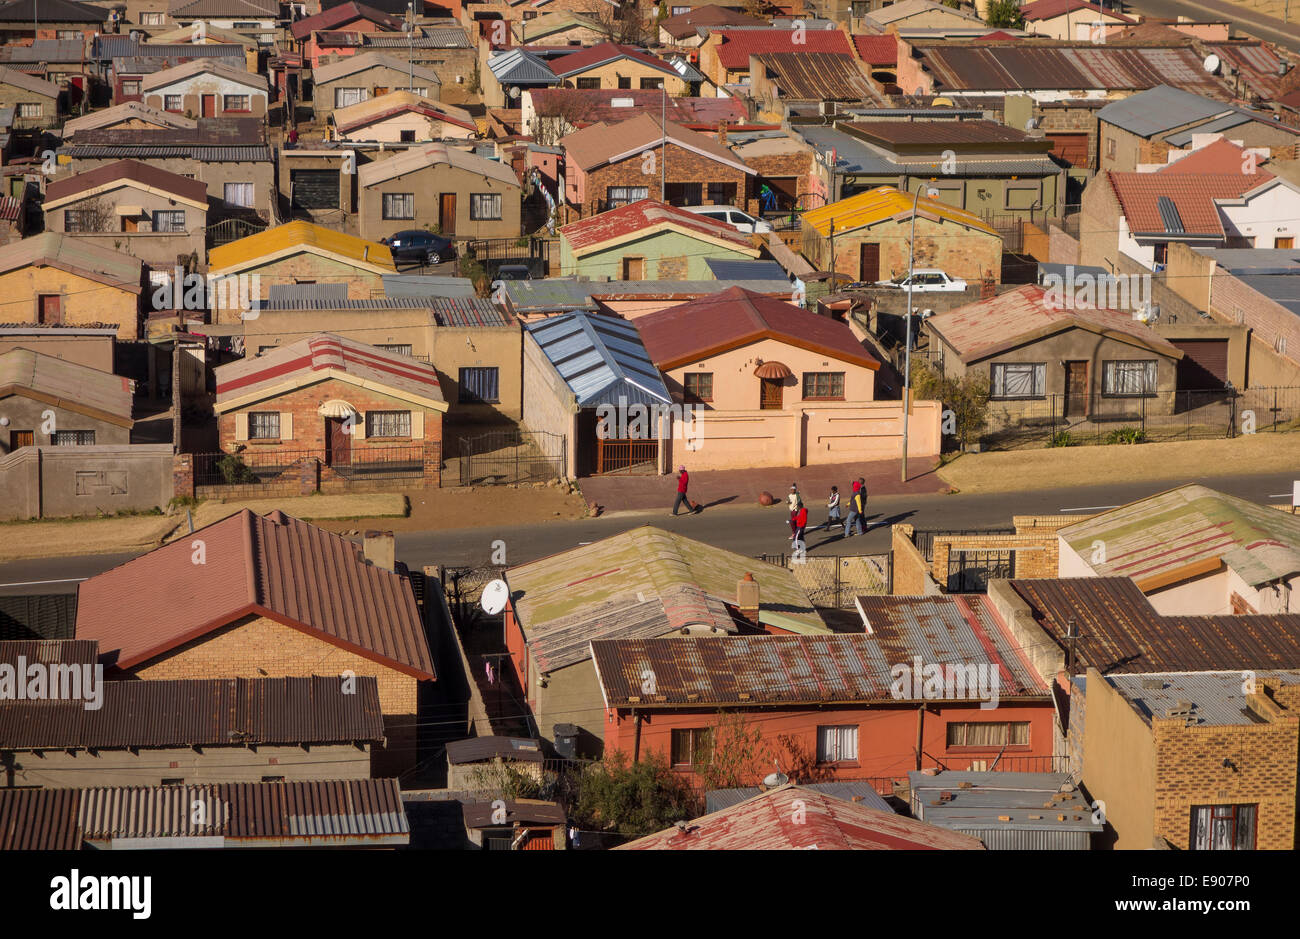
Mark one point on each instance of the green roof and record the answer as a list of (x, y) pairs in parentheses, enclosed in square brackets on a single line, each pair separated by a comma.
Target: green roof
[(1191, 523)]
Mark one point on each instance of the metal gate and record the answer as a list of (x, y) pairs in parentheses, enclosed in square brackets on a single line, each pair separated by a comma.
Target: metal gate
[(511, 456), (627, 457), (834, 582), (232, 229), (971, 571)]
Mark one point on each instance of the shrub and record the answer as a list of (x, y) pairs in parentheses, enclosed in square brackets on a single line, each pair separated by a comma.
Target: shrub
[(233, 470), (1063, 438), (1128, 435), (634, 799)]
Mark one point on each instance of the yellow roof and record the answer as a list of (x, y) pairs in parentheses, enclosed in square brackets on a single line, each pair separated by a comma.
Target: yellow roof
[(289, 238), (884, 202)]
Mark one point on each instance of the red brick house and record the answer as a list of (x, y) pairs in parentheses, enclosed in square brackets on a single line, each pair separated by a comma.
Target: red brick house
[(360, 411), (609, 166), (265, 596)]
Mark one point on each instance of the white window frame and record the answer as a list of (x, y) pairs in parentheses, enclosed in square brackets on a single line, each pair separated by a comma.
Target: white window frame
[(837, 743), (272, 422), (998, 381), (239, 189), (1127, 375), (388, 424), (398, 206), (342, 96)]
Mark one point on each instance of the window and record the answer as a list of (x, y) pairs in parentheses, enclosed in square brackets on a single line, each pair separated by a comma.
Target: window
[(655, 83), (67, 34), (399, 205), (173, 103), (837, 744), (698, 386), (131, 86), (1223, 827), (625, 81), (346, 97), (623, 195), (479, 385), (678, 11), (263, 425), (236, 103), (485, 206), (394, 347), (1161, 253), (989, 734), (1128, 379), (171, 221), (588, 83), (683, 193), (408, 136), (1018, 380), (173, 781), (722, 193), (152, 19), (29, 109), (828, 385), (388, 423), (240, 194), (692, 747), (73, 438), (76, 221), (1110, 147), (530, 14)]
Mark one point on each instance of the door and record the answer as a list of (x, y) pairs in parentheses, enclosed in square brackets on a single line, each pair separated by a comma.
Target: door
[(208, 105), (380, 90), (634, 268), (315, 189), (1284, 243), (1204, 365), (868, 263), (50, 309), (338, 443), (770, 398), (447, 213), (1076, 389), (21, 438)]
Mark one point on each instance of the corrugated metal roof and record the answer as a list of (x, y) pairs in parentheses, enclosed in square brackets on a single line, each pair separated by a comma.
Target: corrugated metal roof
[(601, 359), (1042, 66), (885, 203), (394, 104), (430, 155), (216, 712), (300, 293), (519, 66), (852, 156), (560, 293), (860, 793), (428, 285), (649, 215), (39, 819), (574, 63), (1203, 699), (306, 237), (75, 386), (301, 573), (130, 171), (727, 269), (203, 66), (799, 818), (351, 64), (478, 749), (49, 651), (18, 79), (985, 804), (128, 111), (46, 50), (52, 11), (521, 811), (341, 15), (737, 45), (445, 311), (818, 76), (1158, 109), (611, 105), (254, 154)]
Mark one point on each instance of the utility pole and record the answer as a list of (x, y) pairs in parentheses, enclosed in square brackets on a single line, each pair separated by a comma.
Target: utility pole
[(410, 45), (907, 333), (663, 146)]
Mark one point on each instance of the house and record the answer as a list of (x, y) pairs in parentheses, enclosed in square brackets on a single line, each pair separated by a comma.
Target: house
[(356, 78), (561, 28), (264, 602), (144, 211), (828, 823), (208, 35), (843, 705), (351, 17), (205, 88), (611, 65), (297, 253), (59, 278), (1193, 760), (89, 407), (257, 19), (552, 113), (475, 765), (474, 345), (511, 72), (61, 62), (401, 117), (649, 240), (202, 731), (1144, 127), (640, 585), (27, 21), (1008, 811), (34, 100), (229, 155), (872, 233), (783, 165), (1065, 355), (689, 29), (725, 54), (780, 79), (516, 825), (531, 300), (355, 409), (130, 116), (1192, 550), (136, 63), (1073, 19), (441, 47), (90, 345), (909, 15), (646, 158), (464, 194)]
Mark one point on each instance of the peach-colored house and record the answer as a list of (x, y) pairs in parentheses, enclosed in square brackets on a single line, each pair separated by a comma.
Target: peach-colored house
[(774, 385)]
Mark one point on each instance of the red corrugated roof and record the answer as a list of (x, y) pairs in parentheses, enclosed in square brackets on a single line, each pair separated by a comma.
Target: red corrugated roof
[(598, 229), (575, 62), (327, 351), (273, 565), (738, 45), (1193, 194), (737, 317), (795, 818), (878, 50)]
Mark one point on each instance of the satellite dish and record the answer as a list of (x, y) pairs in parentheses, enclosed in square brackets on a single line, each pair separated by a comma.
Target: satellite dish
[(1031, 124), (1211, 63), (495, 597), (514, 91), (772, 780)]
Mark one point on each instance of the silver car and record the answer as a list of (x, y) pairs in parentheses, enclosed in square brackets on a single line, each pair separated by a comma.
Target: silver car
[(729, 215)]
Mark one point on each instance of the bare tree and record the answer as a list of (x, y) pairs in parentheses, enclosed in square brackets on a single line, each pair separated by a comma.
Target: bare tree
[(625, 23), (566, 109), (91, 216)]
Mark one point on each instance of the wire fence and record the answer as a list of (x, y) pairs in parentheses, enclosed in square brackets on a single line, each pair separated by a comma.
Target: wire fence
[(258, 467), (834, 582)]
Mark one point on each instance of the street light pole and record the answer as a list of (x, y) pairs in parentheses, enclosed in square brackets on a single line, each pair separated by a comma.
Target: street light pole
[(907, 367)]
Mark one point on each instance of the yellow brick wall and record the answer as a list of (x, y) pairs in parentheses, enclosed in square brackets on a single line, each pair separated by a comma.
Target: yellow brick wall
[(84, 301), (1037, 555)]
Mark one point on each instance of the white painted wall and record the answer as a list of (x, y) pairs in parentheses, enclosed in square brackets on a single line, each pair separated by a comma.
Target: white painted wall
[(1273, 213)]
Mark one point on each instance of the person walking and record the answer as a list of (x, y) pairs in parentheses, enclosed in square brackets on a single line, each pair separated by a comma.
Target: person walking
[(800, 524), (794, 500), (862, 494), (852, 520), (683, 481), (833, 509)]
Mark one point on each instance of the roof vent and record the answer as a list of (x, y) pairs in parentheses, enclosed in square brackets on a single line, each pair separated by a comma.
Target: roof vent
[(623, 103), (1173, 222)]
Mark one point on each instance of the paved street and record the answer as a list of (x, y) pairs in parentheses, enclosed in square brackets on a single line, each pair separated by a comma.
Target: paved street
[(748, 530), (1244, 22)]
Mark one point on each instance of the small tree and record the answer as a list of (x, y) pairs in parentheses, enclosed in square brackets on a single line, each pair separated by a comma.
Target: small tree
[(740, 757), (633, 799), (1005, 14), (965, 399), (624, 24), (566, 108), (95, 216)]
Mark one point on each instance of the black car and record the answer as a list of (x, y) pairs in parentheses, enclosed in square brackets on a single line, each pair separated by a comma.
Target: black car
[(420, 247)]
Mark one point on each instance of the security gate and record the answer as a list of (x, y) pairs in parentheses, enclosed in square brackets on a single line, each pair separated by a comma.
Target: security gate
[(971, 571)]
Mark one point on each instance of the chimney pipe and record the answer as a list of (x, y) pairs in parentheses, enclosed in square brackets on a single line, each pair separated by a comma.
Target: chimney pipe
[(747, 598), (381, 549)]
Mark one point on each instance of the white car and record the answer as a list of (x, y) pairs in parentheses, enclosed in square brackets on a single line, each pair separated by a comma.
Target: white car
[(728, 215), (925, 282)]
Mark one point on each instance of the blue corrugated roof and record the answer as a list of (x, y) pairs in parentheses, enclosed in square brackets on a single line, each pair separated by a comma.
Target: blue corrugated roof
[(601, 359), (520, 67), (728, 269)]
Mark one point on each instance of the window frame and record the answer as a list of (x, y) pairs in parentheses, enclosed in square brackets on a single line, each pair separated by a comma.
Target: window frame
[(1194, 841), (1006, 743), (1039, 381), (172, 227), (693, 396), (466, 396), (153, 18), (247, 99), (476, 213), (82, 438), (1109, 368), (173, 104), (375, 418), (249, 186), (132, 86), (272, 421), (825, 757), (698, 737), (30, 109), (362, 93), (831, 376), (387, 212)]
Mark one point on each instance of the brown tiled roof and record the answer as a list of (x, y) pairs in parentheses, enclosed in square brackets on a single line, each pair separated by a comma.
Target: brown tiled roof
[(1192, 194), (274, 566), (685, 24), (737, 317), (877, 50), (199, 712), (1119, 630), (127, 170), (575, 62), (1222, 156)]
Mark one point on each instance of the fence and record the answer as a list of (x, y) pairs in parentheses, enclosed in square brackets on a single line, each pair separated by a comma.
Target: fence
[(511, 456), (923, 538), (493, 252), (627, 456), (232, 229), (834, 582), (1071, 420), (274, 468)]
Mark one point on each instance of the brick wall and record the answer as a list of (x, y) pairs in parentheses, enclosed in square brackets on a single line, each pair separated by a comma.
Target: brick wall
[(908, 565), (1062, 248), (1099, 224), (1275, 331), (684, 166), (1037, 554), (798, 165)]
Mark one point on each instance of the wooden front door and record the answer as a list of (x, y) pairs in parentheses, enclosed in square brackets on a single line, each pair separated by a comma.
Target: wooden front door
[(21, 438), (868, 263), (447, 213), (338, 443), (1076, 389), (50, 309), (770, 397), (1284, 243), (208, 105)]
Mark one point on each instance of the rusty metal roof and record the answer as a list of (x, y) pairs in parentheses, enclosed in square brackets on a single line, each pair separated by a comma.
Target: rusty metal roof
[(39, 820), (49, 651), (273, 565), (89, 391), (523, 812), (199, 712), (818, 76), (476, 749), (798, 818)]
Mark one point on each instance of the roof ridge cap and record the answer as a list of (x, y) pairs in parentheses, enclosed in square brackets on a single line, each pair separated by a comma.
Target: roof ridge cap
[(249, 534)]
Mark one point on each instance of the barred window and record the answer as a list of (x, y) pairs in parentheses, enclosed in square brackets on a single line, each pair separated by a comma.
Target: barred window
[(1018, 380), (263, 425), (989, 734), (698, 386), (236, 103), (76, 221), (823, 385), (388, 423), (169, 221), (1224, 827), (29, 109), (1128, 379), (479, 385), (837, 744), (485, 206), (625, 195), (73, 438), (173, 103), (692, 747), (399, 205)]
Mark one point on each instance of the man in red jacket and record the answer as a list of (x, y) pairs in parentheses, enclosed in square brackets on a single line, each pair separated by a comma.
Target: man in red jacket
[(683, 480), (800, 523)]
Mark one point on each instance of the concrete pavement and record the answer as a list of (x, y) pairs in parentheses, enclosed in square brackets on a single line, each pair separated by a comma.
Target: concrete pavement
[(1244, 20)]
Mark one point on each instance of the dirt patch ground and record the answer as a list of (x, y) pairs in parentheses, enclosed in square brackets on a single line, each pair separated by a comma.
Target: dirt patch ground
[(1050, 468), (56, 537), (472, 507), (312, 508)]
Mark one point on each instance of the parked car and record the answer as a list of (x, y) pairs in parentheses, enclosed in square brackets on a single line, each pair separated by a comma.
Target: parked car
[(729, 215), (925, 281), (420, 247), (510, 272)]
